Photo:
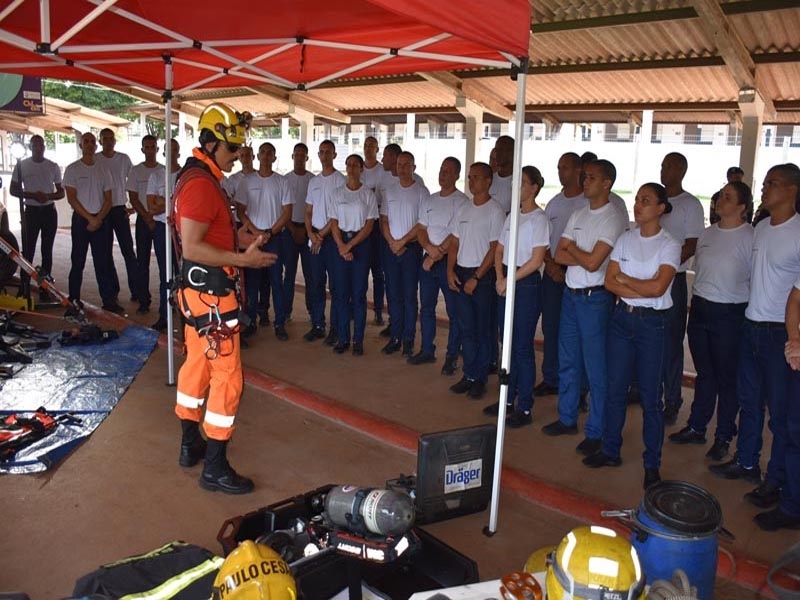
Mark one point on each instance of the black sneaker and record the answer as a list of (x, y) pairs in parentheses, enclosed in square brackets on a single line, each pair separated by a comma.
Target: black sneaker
[(651, 476), (545, 389), (558, 428), (733, 470), (143, 309), (766, 495), (589, 446), (392, 347), (386, 331), (378, 319), (249, 331), (229, 482), (476, 390), (450, 365), (408, 348), (687, 435), (421, 358), (341, 347), (74, 310), (462, 387), (358, 349), (332, 339), (315, 333), (519, 419), (718, 451), (280, 333), (775, 519), (492, 368), (671, 415), (599, 459), (263, 319), (492, 410), (115, 308)]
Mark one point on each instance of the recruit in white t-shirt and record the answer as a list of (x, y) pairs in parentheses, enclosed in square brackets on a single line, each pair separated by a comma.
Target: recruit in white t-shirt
[(558, 211), (476, 227), (401, 207), (586, 227), (138, 178), (722, 264), (353, 208), (157, 186), (685, 221), (437, 212), (500, 191), (90, 182), (641, 257), (534, 232), (298, 191), (119, 165), (263, 198), (320, 192), (37, 177)]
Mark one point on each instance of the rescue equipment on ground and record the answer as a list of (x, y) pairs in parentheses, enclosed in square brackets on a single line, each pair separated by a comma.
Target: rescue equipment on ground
[(676, 527), (87, 334), (679, 588), (17, 432), (520, 586), (594, 563), (369, 510), (254, 572)]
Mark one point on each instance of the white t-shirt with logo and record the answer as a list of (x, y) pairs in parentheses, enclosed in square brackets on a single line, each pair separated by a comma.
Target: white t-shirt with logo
[(401, 206), (476, 227), (722, 264), (263, 198), (138, 179), (353, 208), (534, 232), (775, 267), (685, 221), (641, 257), (157, 185), (298, 191), (437, 213), (37, 177), (119, 165), (90, 183), (320, 193), (558, 211), (586, 227), (500, 191)]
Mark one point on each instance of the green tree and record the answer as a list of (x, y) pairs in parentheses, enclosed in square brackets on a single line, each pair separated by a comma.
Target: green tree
[(91, 96)]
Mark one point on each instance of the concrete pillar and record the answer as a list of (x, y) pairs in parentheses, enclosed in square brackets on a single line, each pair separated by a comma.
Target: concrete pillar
[(646, 130), (306, 120), (285, 147), (473, 114), (751, 106), (409, 139)]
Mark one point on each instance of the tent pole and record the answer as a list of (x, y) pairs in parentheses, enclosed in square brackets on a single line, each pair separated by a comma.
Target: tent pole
[(508, 317), (168, 212)]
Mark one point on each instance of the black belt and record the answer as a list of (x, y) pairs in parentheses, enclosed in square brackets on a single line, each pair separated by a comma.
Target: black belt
[(641, 310), (587, 291), (765, 324), (349, 235), (299, 224), (700, 300)]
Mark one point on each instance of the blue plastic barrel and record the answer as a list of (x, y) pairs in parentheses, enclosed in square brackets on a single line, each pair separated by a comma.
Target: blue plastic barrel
[(675, 527)]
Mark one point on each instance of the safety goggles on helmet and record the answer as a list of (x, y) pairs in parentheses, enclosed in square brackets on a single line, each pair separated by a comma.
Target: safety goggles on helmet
[(224, 124)]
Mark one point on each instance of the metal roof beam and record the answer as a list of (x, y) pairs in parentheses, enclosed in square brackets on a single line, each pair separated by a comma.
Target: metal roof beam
[(474, 91), (302, 100)]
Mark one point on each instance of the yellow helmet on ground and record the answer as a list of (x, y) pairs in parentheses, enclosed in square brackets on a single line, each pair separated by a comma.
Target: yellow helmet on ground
[(537, 562), (594, 563), (219, 121), (254, 572)]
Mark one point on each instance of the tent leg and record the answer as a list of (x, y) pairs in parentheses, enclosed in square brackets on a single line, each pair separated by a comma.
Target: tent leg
[(168, 211), (508, 318)]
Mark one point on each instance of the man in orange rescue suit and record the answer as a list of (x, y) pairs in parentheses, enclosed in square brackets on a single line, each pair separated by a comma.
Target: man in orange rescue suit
[(208, 299)]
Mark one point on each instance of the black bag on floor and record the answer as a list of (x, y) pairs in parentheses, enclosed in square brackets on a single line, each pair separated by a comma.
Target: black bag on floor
[(177, 570)]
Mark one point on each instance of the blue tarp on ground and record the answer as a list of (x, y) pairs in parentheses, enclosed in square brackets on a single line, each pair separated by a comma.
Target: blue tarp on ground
[(86, 381)]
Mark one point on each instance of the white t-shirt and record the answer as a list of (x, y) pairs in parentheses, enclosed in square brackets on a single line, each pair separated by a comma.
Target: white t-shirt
[(476, 227), (437, 212), (157, 186), (372, 177), (686, 221), (298, 191), (353, 208), (776, 265), (37, 177), (138, 179), (620, 205), (500, 191), (586, 227), (558, 211), (90, 183), (386, 180), (722, 264), (320, 192), (401, 207), (263, 198), (640, 257), (534, 232), (119, 165)]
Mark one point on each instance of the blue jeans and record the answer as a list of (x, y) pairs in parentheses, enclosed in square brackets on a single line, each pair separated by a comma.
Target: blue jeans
[(330, 254), (760, 383), (292, 251), (676, 332), (402, 281), (119, 225), (315, 293), (144, 245), (637, 338), (98, 240), (351, 293), (582, 337), (474, 321), (430, 282), (253, 282), (790, 494), (374, 244), (522, 373), (42, 219), (714, 332), (160, 246), (551, 317)]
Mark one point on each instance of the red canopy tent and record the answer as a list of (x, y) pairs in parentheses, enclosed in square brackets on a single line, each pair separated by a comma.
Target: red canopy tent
[(174, 46)]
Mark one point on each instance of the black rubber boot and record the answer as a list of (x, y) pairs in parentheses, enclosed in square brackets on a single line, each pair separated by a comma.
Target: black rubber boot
[(218, 475), (193, 446)]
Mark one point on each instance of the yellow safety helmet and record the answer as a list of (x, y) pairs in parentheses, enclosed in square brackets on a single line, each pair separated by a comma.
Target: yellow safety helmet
[(537, 561), (594, 563), (219, 121), (254, 572)]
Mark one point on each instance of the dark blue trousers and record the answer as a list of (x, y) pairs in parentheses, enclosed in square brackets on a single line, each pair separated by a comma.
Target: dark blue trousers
[(292, 251), (475, 323), (551, 317), (430, 283), (402, 282), (82, 240), (350, 298), (676, 332)]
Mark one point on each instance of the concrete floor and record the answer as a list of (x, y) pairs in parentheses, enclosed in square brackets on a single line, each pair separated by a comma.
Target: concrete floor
[(308, 418)]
